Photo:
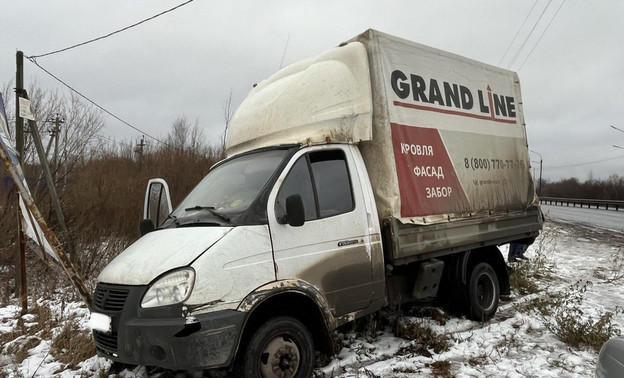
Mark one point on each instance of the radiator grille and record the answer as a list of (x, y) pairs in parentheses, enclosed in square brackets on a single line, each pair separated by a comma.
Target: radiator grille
[(104, 342), (109, 298)]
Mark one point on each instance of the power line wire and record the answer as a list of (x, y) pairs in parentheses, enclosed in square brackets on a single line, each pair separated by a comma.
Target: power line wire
[(513, 60), (561, 160), (34, 61), (586, 163), (105, 138), (110, 34), (540, 38), (517, 33)]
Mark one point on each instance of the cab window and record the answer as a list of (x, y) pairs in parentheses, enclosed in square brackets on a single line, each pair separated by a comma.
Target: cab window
[(322, 180)]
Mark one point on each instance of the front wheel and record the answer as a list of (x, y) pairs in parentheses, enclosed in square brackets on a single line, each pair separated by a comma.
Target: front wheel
[(483, 292), (281, 348)]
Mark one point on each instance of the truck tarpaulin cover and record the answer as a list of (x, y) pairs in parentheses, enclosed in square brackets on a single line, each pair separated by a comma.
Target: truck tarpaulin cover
[(455, 128)]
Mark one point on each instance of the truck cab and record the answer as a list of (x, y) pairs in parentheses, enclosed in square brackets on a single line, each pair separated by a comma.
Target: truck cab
[(340, 194), (289, 230)]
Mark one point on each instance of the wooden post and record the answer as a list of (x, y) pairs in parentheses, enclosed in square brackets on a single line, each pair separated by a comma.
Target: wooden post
[(20, 281)]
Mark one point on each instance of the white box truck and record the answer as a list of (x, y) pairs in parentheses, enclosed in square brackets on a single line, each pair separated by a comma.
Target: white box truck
[(379, 172)]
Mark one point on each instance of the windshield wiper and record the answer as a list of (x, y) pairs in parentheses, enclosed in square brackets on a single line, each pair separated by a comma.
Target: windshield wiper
[(210, 209), (173, 217)]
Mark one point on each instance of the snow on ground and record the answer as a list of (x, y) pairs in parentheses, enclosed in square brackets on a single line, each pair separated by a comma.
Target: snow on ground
[(583, 265)]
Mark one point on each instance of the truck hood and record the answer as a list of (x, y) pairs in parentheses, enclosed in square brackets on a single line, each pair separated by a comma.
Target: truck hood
[(158, 252)]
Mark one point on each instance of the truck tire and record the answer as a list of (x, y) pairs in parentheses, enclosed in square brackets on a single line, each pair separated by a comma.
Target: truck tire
[(483, 292), (282, 347)]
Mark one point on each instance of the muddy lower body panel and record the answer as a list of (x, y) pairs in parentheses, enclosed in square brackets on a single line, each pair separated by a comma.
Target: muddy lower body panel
[(162, 336), (406, 243)]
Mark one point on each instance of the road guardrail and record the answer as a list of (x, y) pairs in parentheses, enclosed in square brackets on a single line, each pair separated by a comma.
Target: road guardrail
[(589, 203)]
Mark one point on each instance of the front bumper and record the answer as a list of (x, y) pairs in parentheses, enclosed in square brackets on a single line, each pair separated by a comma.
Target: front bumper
[(162, 336)]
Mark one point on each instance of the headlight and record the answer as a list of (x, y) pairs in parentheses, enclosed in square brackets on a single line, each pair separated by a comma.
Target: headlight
[(173, 287)]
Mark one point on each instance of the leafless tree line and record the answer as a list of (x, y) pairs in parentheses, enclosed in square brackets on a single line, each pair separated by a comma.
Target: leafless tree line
[(611, 188)]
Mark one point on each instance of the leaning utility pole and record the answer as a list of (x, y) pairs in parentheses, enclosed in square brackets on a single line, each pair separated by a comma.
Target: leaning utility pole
[(20, 281), (54, 198)]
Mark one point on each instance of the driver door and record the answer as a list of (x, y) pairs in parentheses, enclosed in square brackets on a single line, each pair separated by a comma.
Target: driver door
[(331, 250)]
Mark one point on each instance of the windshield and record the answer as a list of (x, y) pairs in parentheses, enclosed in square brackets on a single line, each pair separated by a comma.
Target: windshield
[(230, 188)]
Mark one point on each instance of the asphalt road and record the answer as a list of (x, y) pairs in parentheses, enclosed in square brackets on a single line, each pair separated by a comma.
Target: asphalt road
[(610, 220)]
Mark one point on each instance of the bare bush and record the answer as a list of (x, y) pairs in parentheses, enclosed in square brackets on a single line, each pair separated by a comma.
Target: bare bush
[(562, 313), (613, 273)]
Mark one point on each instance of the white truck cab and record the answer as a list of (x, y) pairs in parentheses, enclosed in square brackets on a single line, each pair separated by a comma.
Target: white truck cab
[(348, 186)]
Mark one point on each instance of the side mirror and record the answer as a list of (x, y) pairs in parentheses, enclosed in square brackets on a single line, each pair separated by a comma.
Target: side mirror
[(295, 213), (157, 204), (146, 226)]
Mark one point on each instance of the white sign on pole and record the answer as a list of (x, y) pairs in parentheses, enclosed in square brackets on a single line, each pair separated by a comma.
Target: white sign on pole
[(24, 109)]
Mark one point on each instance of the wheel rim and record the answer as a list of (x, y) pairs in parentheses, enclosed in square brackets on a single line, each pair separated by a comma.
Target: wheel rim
[(280, 358), (485, 291)]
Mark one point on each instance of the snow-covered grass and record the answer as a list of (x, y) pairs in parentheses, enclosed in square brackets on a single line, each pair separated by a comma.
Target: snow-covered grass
[(563, 306)]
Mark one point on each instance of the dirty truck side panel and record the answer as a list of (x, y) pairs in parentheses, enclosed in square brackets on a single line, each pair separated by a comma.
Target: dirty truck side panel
[(452, 133), (456, 173)]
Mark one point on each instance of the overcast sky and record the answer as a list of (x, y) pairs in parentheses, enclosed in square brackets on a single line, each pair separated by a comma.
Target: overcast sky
[(186, 62)]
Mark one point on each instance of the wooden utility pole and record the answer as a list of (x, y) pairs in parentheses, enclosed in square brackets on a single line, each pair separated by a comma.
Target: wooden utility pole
[(54, 133), (20, 281), (138, 150)]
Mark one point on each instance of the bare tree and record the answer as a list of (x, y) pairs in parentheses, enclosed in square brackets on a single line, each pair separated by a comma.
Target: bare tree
[(78, 134), (227, 116), (186, 137), (8, 93)]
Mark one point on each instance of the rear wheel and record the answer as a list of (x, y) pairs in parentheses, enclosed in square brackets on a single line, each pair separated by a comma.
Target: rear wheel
[(483, 292), (282, 347)]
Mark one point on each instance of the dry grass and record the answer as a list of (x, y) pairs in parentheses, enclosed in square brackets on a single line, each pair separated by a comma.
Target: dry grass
[(562, 313), (613, 273), (525, 273), (72, 345), (21, 347), (575, 328), (441, 369), (27, 334), (423, 339)]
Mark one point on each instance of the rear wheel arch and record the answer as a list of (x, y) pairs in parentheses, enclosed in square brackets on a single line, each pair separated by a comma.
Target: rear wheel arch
[(486, 278), (469, 278), (494, 258)]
